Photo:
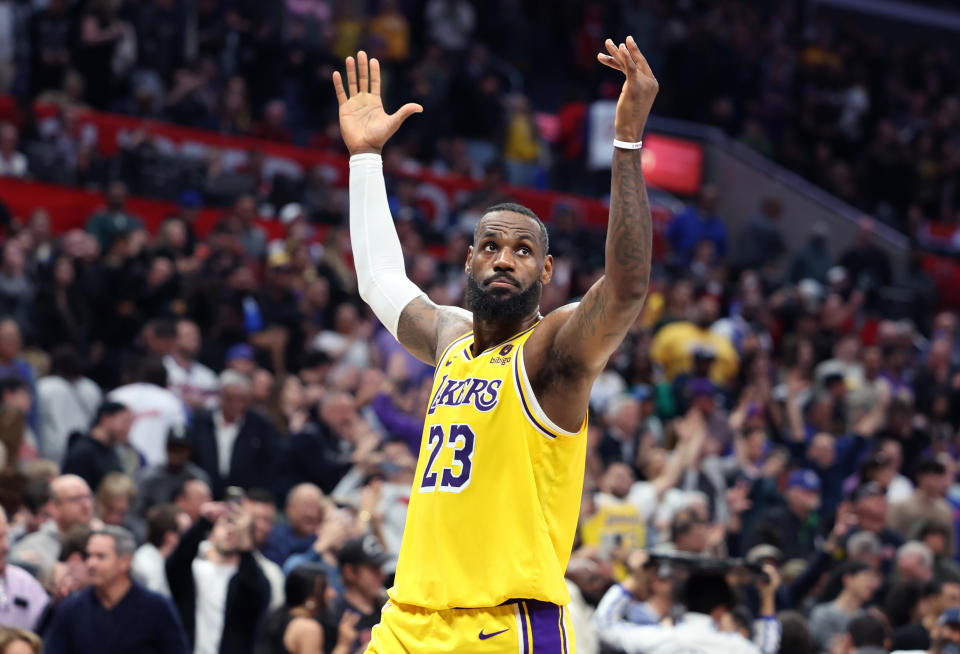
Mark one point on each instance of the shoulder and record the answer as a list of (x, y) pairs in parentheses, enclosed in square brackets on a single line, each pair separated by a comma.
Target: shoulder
[(16, 574)]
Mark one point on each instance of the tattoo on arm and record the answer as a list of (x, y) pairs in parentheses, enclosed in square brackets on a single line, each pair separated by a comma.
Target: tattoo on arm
[(629, 240), (425, 329)]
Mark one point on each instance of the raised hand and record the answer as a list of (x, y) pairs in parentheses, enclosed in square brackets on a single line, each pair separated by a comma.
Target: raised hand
[(638, 92), (364, 125)]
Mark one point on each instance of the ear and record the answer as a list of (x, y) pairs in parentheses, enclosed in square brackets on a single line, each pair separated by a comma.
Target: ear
[(547, 273), (469, 259)]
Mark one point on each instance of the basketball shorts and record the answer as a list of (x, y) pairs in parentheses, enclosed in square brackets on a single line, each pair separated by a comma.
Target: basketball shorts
[(517, 627)]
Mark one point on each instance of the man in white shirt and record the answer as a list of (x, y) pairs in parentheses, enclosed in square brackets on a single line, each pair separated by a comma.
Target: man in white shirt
[(708, 599), (191, 381), (156, 410), (12, 163), (66, 402), (165, 523)]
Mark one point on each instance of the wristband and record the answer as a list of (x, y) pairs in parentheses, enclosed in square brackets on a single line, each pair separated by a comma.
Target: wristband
[(627, 145)]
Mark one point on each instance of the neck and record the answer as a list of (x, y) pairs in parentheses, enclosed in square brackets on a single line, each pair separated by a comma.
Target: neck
[(111, 594), (182, 360), (846, 601), (101, 435), (356, 598), (661, 605), (221, 558), (487, 333)]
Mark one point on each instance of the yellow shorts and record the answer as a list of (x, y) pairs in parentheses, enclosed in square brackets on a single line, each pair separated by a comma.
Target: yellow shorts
[(521, 627)]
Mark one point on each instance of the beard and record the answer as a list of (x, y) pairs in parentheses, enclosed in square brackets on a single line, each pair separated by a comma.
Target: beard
[(501, 306)]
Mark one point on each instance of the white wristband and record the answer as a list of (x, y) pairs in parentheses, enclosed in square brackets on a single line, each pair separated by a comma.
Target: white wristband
[(627, 145)]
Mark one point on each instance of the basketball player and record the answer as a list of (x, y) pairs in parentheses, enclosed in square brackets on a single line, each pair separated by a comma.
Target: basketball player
[(496, 496)]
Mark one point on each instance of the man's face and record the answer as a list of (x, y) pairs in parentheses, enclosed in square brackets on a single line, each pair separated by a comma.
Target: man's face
[(74, 504), (864, 584), (118, 425), (225, 536), (368, 579), (802, 500), (950, 595), (19, 399), (261, 514), (305, 514), (234, 401), (195, 493), (113, 510), (177, 456), (103, 565), (188, 339), (506, 267)]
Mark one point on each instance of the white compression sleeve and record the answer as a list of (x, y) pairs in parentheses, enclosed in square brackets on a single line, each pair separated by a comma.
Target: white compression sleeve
[(377, 256)]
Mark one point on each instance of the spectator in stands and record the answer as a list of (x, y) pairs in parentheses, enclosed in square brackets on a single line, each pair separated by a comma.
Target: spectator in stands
[(92, 456), (235, 444), (795, 527), (50, 52), (34, 512), (294, 627), (17, 290), (17, 439), (241, 223), (674, 345), (866, 633), (20, 641), (165, 523), (304, 512), (761, 241), (158, 483), (829, 620), (262, 507), (936, 536), (870, 507), (156, 410), (927, 504), (220, 591), (12, 162), (11, 362), (115, 614), (67, 402), (867, 264), (190, 380), (72, 505), (190, 496), (114, 219), (698, 223), (337, 528), (26, 598), (361, 561), (112, 502), (914, 563)]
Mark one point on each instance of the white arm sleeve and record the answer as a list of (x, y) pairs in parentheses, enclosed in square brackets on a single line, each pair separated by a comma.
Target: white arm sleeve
[(377, 256)]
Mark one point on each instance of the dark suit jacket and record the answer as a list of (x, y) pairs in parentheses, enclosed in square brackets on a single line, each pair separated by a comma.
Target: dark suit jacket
[(255, 452)]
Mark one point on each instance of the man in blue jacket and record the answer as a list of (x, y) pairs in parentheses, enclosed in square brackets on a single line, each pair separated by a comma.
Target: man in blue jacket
[(114, 614)]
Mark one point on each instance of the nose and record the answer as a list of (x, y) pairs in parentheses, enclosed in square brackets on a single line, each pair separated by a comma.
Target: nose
[(504, 260)]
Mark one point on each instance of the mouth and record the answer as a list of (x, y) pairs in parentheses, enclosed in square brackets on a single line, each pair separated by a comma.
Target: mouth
[(502, 282)]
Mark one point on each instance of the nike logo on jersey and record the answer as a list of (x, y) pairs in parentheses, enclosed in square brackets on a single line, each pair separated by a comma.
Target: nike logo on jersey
[(484, 636), (481, 393)]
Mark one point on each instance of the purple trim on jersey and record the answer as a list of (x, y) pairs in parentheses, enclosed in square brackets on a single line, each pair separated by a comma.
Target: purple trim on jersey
[(523, 628), (545, 628), (563, 632), (446, 352), (523, 400)]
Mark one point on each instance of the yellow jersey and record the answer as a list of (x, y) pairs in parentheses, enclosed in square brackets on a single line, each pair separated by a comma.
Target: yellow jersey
[(496, 497)]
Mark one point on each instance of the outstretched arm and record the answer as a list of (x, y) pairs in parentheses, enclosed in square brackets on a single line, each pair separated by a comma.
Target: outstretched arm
[(421, 326), (592, 330)]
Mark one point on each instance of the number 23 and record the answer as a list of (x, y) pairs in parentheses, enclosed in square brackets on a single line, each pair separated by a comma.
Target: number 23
[(455, 478)]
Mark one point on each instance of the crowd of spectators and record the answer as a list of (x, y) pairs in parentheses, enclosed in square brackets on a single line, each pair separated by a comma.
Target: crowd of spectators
[(217, 420), (807, 87)]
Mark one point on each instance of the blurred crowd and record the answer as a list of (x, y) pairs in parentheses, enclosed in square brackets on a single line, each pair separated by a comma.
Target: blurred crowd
[(807, 87), (207, 436)]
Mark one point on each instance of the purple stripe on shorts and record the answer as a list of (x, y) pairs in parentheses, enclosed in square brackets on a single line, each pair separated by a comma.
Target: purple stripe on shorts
[(523, 628), (545, 628)]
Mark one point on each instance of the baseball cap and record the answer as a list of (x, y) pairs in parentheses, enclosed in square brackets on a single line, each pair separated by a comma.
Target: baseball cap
[(700, 386), (240, 351), (363, 550), (870, 489), (950, 616), (179, 437), (762, 552), (805, 479)]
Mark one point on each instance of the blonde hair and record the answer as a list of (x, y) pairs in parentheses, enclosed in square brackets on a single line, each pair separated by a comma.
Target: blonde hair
[(114, 485), (10, 635)]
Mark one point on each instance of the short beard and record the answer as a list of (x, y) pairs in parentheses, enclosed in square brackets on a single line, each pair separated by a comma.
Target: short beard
[(509, 308)]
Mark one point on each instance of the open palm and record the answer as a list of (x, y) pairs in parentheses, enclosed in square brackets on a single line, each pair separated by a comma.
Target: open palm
[(364, 125)]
